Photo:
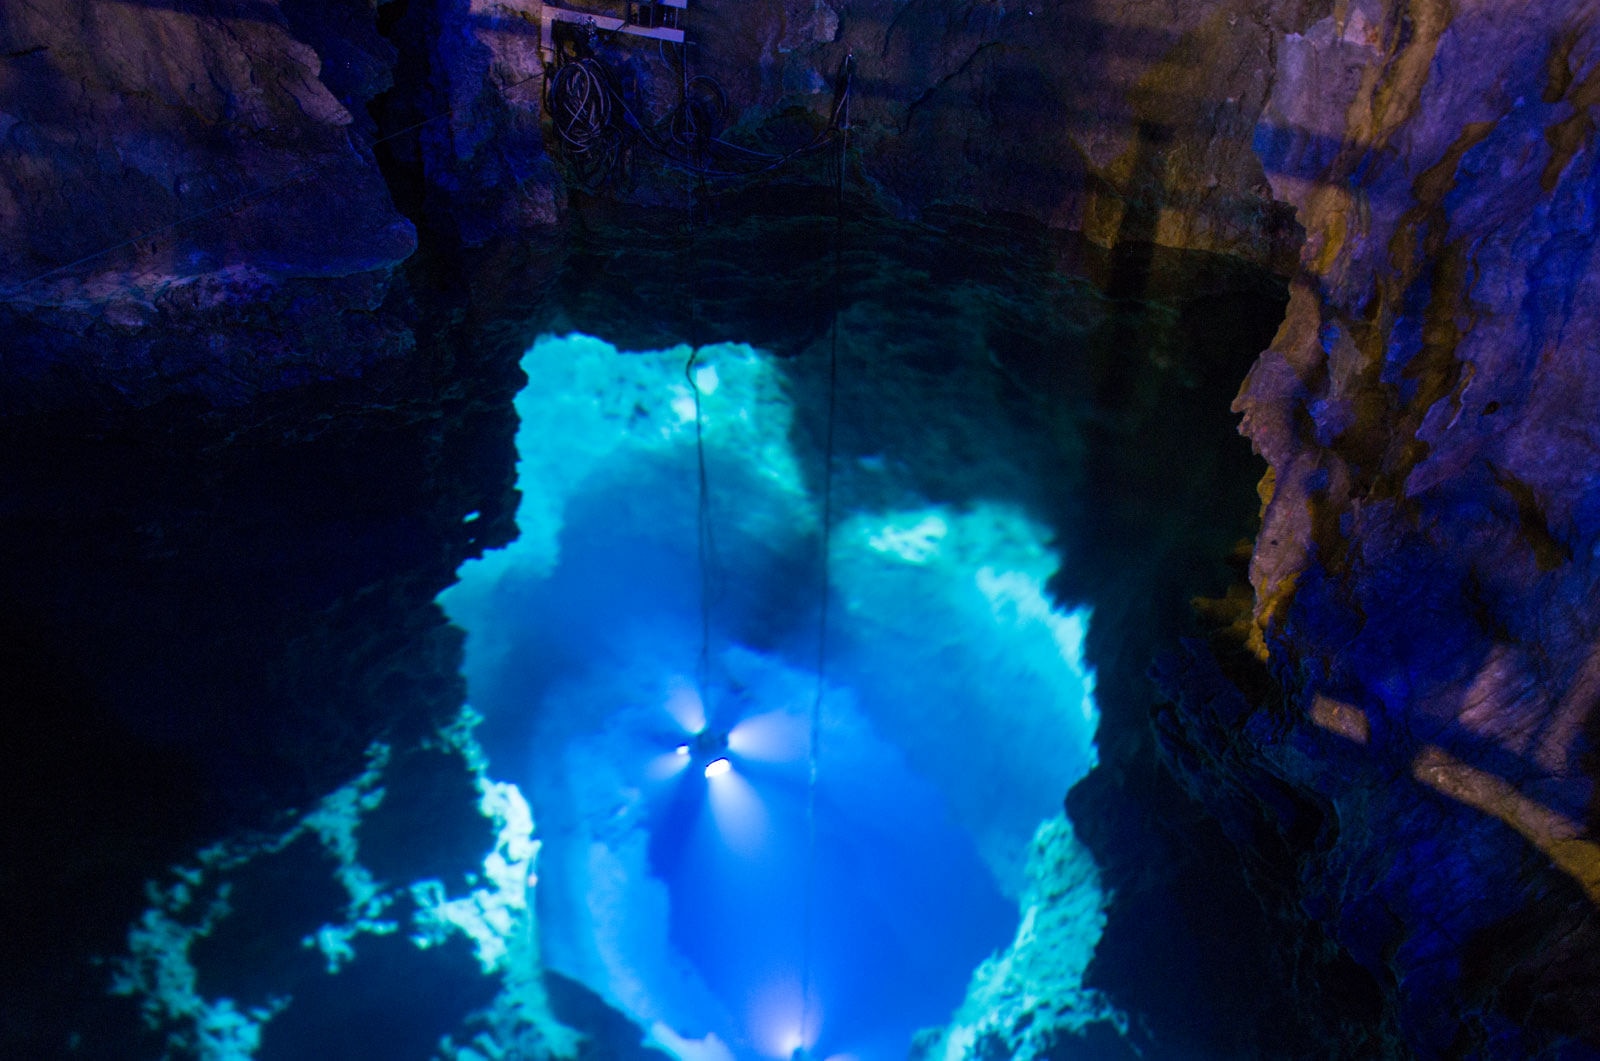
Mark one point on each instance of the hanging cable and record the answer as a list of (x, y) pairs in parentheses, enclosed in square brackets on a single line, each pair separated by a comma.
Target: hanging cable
[(842, 116), (596, 136), (705, 543)]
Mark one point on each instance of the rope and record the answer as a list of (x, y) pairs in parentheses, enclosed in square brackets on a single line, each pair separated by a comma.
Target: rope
[(843, 112)]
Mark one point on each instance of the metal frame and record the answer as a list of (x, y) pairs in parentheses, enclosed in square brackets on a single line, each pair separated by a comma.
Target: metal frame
[(549, 15)]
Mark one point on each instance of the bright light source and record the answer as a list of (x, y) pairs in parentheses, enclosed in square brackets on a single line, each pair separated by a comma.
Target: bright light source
[(718, 767), (705, 379), (682, 749)]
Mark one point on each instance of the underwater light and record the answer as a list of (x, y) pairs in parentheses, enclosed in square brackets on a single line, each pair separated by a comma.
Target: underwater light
[(682, 749), (718, 767), (709, 743)]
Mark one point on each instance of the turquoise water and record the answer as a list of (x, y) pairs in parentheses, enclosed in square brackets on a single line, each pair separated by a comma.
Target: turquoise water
[(735, 912)]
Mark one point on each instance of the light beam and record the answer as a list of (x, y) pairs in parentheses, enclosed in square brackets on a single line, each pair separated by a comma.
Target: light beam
[(683, 704), (773, 737), (740, 817), (664, 767)]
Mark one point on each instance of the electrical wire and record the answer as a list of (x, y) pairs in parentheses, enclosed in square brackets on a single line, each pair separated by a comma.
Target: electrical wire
[(581, 123), (841, 110), (705, 542), (581, 104)]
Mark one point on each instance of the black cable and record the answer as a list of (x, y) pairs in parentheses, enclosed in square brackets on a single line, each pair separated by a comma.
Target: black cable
[(580, 104), (840, 110), (705, 544), (579, 120)]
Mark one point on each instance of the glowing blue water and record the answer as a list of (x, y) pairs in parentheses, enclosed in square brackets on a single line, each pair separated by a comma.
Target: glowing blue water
[(956, 715)]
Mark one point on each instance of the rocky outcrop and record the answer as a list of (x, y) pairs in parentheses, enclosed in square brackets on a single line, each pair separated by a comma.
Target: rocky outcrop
[(186, 204), (1425, 574), (474, 81), (196, 200), (1128, 122)]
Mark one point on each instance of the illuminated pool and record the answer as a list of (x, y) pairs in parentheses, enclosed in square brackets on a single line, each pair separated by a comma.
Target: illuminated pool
[(748, 845)]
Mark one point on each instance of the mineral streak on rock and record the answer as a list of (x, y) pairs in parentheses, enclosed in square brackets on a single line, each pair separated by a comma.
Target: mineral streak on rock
[(191, 203), (1425, 570)]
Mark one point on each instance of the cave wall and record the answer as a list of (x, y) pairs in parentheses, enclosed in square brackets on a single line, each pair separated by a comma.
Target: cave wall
[(185, 204), (1415, 676), (211, 198), (1415, 681), (1127, 122)]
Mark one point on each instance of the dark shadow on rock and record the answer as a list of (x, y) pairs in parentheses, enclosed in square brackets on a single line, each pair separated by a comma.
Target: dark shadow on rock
[(393, 1003), (611, 1036)]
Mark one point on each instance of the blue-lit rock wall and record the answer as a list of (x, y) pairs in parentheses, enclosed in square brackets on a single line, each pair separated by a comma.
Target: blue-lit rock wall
[(1425, 573), (212, 198), (201, 172)]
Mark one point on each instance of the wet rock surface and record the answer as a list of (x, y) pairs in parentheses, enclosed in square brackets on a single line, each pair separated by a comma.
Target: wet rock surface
[(208, 616), (188, 201), (1395, 737), (1424, 583), (202, 616), (178, 174)]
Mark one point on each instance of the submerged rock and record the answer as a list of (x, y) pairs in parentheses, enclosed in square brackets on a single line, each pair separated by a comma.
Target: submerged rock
[(1029, 1002)]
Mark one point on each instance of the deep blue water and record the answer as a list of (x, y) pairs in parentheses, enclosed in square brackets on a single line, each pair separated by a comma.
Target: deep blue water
[(746, 906), (214, 621)]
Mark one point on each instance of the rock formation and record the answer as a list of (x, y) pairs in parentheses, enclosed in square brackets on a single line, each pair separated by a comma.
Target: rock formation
[(1394, 727), (1424, 576)]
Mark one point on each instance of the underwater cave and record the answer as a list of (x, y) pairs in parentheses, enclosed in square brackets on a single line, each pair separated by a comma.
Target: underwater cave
[(853, 530), (663, 708)]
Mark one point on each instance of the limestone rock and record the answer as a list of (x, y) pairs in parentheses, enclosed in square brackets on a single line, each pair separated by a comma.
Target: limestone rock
[(1425, 570), (168, 169)]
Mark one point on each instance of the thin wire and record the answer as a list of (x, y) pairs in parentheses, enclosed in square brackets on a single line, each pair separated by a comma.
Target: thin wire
[(705, 546), (581, 137), (266, 190), (843, 111)]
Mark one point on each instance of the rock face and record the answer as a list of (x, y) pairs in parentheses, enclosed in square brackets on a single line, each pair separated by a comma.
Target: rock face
[(214, 167), (1399, 730), (185, 203), (474, 79), (1128, 122), (195, 199), (1425, 573)]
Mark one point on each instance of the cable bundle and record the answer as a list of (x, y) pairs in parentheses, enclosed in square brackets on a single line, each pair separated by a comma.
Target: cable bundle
[(579, 97), (595, 123)]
